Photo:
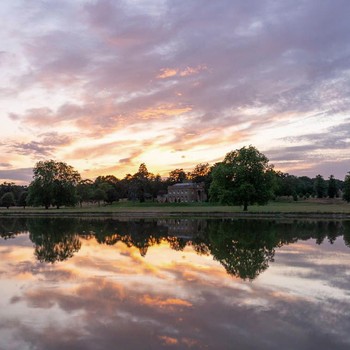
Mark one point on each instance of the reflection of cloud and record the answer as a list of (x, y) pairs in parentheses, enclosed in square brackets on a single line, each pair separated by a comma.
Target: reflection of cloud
[(107, 295), (170, 302)]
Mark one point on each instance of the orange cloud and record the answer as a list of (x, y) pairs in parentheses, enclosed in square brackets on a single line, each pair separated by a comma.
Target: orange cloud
[(172, 72), (167, 73), (170, 302), (192, 70), (162, 111), (168, 340)]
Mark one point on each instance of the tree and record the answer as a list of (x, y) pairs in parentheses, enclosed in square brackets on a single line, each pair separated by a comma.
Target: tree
[(202, 174), (332, 187), (287, 185), (84, 191), (22, 201), (54, 184), (243, 178), (177, 176), (346, 188), (7, 200), (305, 186), (320, 186), (99, 195), (141, 184)]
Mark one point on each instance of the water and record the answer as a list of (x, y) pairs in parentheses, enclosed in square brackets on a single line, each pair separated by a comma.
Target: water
[(174, 284)]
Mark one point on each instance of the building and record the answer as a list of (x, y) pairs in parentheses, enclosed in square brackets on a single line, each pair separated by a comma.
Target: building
[(186, 192)]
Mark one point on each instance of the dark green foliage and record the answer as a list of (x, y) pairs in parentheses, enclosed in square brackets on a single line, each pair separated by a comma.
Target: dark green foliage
[(16, 190), (286, 185), (332, 187), (22, 201), (54, 184), (243, 178), (141, 183), (84, 191), (320, 186), (346, 188), (7, 200), (99, 195)]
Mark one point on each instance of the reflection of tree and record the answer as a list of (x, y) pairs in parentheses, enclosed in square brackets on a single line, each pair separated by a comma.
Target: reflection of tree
[(332, 231), (200, 246), (244, 248), (176, 243), (57, 248), (54, 239), (141, 234), (346, 233), (11, 227)]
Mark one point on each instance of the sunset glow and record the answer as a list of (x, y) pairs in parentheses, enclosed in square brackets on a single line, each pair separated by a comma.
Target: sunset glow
[(107, 85)]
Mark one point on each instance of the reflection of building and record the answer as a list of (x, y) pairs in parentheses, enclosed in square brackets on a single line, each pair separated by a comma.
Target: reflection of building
[(184, 227), (186, 192)]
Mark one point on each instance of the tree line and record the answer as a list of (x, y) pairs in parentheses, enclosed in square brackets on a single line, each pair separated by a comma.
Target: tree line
[(244, 177)]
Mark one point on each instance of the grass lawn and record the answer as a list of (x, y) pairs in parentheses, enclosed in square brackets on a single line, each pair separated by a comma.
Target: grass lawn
[(149, 208)]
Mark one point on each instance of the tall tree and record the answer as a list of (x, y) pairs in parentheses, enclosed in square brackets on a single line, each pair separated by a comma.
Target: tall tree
[(54, 183), (202, 174), (332, 187), (84, 191), (243, 178), (320, 186), (346, 188), (141, 183), (287, 185)]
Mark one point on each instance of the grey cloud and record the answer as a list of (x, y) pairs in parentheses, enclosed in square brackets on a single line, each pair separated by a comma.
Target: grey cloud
[(24, 174), (45, 147), (314, 150)]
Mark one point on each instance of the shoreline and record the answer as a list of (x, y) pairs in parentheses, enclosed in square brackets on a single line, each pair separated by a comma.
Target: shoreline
[(178, 214)]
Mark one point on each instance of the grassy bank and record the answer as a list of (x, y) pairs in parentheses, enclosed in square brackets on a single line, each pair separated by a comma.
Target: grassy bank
[(134, 209)]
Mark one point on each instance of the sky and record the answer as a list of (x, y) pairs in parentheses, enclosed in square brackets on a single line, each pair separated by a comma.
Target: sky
[(107, 85)]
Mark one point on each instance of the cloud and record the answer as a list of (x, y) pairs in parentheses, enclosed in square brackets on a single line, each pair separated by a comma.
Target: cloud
[(20, 175), (311, 146), (45, 147), (104, 67)]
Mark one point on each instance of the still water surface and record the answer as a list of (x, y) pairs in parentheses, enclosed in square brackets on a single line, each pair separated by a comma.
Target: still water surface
[(174, 284)]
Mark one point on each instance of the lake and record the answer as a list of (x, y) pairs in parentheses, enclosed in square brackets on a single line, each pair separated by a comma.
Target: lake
[(174, 284)]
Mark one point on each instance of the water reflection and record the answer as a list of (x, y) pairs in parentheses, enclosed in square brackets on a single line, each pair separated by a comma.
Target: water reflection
[(177, 284), (243, 247)]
